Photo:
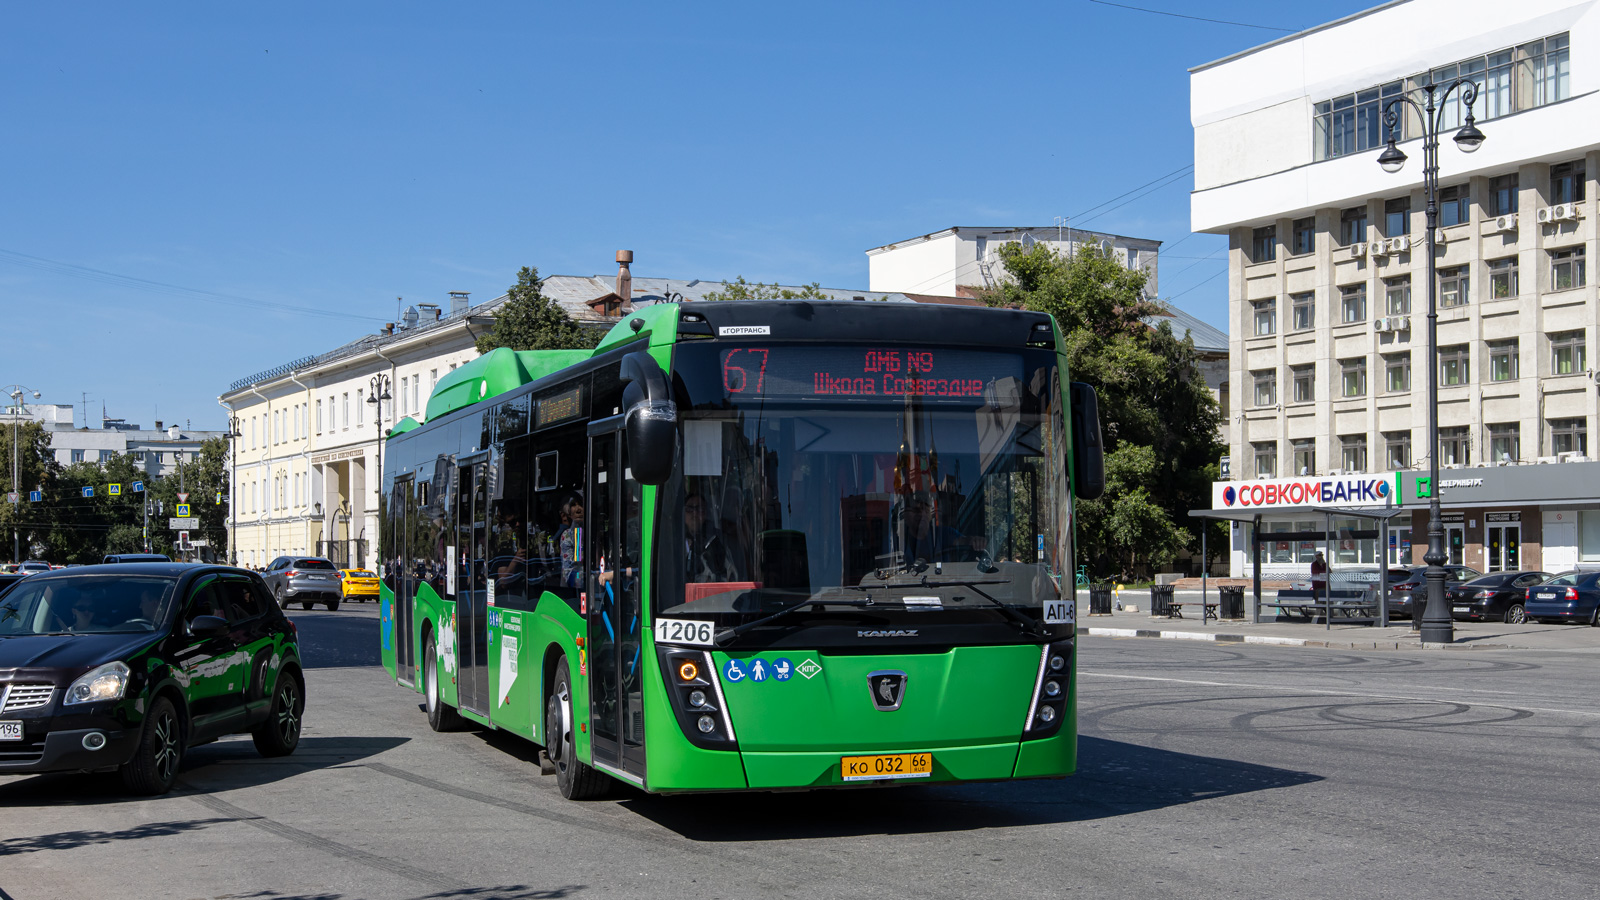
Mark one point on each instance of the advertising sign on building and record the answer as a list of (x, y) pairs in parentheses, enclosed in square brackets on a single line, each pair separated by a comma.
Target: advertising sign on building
[(1348, 491)]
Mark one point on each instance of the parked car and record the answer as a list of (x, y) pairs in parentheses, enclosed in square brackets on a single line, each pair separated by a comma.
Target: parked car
[(28, 567), (115, 558), (1568, 597), (359, 584), (7, 579), (1498, 595), (307, 579), (126, 667), (1408, 587)]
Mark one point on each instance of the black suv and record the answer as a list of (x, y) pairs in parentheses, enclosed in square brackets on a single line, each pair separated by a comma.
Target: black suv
[(125, 667), (1408, 589)]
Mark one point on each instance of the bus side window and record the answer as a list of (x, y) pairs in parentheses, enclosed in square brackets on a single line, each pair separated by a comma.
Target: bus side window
[(556, 513)]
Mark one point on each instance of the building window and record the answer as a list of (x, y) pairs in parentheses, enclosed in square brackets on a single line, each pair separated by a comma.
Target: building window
[(1305, 236), (1223, 395), (1305, 457), (361, 410), (403, 382), (1352, 123), (1567, 269), (1553, 69), (1304, 378), (1505, 443), (1502, 278), (1266, 317), (1569, 436), (1353, 226), (1264, 244), (1453, 286), (1305, 310), (1353, 303), (1567, 182), (1397, 296), (138, 456), (1397, 217), (1266, 454), (346, 411), (319, 417), (1353, 377), (107, 455), (1353, 452), (1397, 373), (1266, 387), (77, 456), (1503, 360), (1397, 449), (1454, 367), (1567, 353), (1454, 444), (1503, 195), (1455, 207)]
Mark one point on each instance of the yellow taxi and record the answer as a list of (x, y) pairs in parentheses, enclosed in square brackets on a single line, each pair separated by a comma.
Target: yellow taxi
[(359, 584)]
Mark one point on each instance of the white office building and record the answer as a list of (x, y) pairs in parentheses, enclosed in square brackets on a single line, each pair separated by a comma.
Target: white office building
[(1328, 272)]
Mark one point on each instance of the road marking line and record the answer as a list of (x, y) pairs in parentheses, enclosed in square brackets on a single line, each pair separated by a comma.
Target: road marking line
[(1330, 693)]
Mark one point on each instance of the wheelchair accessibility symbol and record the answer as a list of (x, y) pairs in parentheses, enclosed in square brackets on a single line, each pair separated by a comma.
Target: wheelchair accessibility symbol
[(734, 671)]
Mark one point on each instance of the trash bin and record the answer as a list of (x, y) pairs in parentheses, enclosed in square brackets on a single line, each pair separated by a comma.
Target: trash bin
[(1099, 599), (1230, 603), (1161, 599)]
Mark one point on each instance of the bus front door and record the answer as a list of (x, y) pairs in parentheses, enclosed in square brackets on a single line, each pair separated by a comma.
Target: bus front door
[(616, 664), (400, 574), (472, 598)]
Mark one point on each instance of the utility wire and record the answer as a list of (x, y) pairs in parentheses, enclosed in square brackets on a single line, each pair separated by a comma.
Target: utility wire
[(161, 287), (1192, 287), (1178, 171), (1162, 12)]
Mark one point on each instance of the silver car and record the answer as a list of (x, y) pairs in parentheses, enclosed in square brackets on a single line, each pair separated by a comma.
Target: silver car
[(306, 579)]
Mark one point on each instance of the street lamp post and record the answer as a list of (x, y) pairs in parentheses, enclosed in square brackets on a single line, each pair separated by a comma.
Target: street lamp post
[(1437, 625), (376, 396), (234, 433), (17, 393)]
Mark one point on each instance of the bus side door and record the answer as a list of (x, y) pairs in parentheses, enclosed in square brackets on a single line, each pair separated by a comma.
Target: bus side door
[(616, 653)]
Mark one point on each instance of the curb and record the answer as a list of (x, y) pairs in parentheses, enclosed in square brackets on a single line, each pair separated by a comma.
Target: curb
[(1222, 638)]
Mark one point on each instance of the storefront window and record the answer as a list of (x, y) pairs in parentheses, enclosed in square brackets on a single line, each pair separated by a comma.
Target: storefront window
[(1589, 536)]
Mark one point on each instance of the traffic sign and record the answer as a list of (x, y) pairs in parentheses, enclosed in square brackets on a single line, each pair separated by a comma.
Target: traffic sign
[(182, 497), (182, 510), (114, 490), (12, 497), (35, 496), (138, 487), (88, 492), (184, 524)]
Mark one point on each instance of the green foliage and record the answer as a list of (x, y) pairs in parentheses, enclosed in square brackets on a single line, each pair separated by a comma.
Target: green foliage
[(739, 289), (1158, 417), (67, 527), (531, 321)]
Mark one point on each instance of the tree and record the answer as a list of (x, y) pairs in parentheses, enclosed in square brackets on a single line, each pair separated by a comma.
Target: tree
[(531, 321), (739, 289), (38, 468), (1158, 417)]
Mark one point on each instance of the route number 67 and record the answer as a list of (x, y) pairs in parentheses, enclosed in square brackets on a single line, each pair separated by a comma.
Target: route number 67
[(684, 631)]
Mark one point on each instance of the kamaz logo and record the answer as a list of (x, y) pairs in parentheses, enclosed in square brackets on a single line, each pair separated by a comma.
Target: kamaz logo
[(900, 632)]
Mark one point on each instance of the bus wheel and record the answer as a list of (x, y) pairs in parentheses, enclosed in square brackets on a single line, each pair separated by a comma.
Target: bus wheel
[(440, 716), (576, 780)]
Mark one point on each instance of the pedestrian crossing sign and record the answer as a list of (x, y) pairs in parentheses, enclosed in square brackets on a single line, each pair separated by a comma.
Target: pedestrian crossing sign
[(114, 490), (183, 510)]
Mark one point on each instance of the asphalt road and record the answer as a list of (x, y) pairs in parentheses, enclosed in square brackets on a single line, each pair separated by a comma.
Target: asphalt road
[(1207, 771)]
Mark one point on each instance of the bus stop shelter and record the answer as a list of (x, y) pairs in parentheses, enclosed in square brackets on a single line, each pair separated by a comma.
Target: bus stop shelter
[(1377, 517)]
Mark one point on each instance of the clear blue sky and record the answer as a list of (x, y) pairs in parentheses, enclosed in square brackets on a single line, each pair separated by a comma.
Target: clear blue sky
[(335, 156)]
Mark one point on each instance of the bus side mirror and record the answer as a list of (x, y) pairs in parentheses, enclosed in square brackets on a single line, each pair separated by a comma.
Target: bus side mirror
[(652, 419), (1088, 453)]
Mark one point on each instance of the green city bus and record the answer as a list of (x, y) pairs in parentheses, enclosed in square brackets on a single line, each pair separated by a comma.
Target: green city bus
[(751, 546)]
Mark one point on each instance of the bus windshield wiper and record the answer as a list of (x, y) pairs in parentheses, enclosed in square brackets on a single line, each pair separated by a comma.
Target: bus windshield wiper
[(729, 633), (1027, 623)]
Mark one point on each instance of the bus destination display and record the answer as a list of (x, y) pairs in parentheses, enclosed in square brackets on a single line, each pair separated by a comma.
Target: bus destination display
[(751, 372)]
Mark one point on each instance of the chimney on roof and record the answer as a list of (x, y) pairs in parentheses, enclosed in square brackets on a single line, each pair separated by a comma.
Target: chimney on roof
[(458, 301), (158, 424), (388, 328), (425, 308), (624, 277)]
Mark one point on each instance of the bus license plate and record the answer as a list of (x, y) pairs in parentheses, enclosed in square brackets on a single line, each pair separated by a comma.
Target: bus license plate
[(10, 731), (891, 765)]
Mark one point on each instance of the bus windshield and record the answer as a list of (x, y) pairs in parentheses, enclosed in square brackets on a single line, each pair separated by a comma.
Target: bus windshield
[(930, 482)]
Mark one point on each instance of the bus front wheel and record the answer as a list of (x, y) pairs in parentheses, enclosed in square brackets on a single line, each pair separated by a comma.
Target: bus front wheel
[(576, 780), (440, 716)]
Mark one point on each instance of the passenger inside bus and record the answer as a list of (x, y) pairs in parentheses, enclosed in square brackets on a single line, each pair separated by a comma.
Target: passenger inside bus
[(706, 555)]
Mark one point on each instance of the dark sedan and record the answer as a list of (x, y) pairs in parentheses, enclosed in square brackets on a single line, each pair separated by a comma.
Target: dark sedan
[(125, 667), (1568, 597), (1408, 587), (1496, 596)]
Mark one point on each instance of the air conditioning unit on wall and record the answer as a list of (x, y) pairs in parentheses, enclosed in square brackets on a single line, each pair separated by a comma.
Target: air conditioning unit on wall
[(1506, 223), (1545, 215), (1400, 244), (1564, 212), (1380, 324), (1378, 248), (1357, 251)]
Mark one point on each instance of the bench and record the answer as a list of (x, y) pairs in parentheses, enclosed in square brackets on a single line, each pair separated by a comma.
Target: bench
[(1175, 608), (1310, 605)]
